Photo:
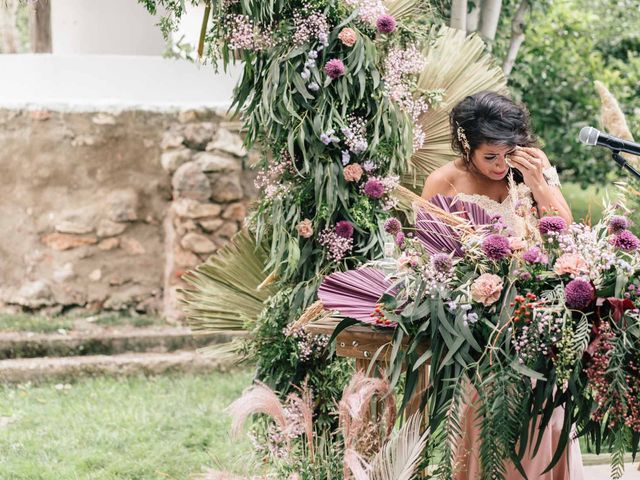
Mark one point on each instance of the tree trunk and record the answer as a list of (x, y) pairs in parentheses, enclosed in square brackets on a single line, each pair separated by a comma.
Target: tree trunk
[(8, 14), (459, 14), (473, 17), (517, 37), (40, 26), (489, 16)]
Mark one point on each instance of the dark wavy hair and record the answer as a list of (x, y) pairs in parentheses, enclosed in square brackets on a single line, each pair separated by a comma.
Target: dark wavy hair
[(489, 117)]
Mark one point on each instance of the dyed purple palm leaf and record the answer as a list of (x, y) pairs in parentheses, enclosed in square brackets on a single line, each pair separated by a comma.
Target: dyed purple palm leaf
[(438, 236), (355, 293)]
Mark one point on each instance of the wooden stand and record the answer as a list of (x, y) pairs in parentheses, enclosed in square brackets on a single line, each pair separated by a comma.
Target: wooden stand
[(362, 343)]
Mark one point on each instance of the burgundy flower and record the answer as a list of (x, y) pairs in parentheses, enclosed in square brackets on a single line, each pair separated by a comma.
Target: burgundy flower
[(625, 240), (579, 294), (334, 68), (552, 223), (496, 247), (374, 188), (344, 229), (618, 223), (386, 24), (392, 225)]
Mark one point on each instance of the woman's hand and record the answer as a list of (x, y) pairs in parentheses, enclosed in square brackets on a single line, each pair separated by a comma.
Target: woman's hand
[(530, 162)]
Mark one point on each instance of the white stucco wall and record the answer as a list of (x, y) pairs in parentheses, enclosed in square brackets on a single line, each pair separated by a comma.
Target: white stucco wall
[(98, 82), (120, 27)]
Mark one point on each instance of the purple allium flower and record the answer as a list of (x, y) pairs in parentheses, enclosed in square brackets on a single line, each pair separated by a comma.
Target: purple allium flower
[(625, 240), (534, 255), (400, 239), (441, 262), (392, 225), (334, 68), (552, 223), (524, 276), (374, 188), (344, 229), (579, 294), (618, 223), (386, 24), (496, 247)]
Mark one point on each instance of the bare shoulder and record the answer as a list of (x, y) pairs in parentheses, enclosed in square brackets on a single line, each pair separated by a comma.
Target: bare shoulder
[(441, 181)]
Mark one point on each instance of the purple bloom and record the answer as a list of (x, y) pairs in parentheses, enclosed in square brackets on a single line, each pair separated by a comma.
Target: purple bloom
[(524, 276), (496, 247), (534, 255), (441, 262), (374, 188), (392, 225), (334, 68), (625, 240), (579, 294), (400, 239), (552, 223), (386, 24), (344, 229), (618, 223)]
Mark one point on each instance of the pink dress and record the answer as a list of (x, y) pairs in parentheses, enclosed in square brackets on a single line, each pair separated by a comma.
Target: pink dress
[(468, 455)]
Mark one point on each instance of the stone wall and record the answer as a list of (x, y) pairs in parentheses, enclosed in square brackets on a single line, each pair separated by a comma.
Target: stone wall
[(106, 211)]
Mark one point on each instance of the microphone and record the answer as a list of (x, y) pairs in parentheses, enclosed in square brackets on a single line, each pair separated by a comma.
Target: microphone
[(591, 136)]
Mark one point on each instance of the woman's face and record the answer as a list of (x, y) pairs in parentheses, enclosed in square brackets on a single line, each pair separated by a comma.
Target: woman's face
[(489, 160)]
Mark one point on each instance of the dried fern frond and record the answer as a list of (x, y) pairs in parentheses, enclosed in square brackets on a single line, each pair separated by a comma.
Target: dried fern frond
[(612, 118)]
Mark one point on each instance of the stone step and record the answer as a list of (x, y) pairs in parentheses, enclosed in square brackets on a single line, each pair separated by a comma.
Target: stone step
[(67, 369), (103, 342)]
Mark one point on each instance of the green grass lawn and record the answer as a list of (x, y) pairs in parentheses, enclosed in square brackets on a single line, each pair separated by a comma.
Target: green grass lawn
[(168, 427), (28, 322), (584, 203)]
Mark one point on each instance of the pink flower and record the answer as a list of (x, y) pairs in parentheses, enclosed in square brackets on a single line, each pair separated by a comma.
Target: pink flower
[(334, 68), (348, 36), (486, 289), (374, 188), (516, 244), (352, 172), (625, 240), (571, 263), (305, 228), (386, 24), (552, 223), (496, 247)]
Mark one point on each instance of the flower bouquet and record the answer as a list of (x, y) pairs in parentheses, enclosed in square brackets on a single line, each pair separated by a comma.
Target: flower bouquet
[(530, 320)]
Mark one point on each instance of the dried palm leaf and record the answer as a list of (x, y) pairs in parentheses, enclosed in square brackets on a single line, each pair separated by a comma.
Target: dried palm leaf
[(458, 64), (406, 8), (223, 294), (400, 456)]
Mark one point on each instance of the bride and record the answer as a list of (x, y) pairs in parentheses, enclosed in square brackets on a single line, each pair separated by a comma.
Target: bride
[(493, 136)]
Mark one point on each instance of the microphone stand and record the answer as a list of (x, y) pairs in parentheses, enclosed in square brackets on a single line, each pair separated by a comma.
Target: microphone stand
[(620, 160)]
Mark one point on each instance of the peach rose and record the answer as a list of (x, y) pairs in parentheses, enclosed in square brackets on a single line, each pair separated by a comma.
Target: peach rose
[(305, 228), (347, 36), (352, 172), (516, 244), (571, 263), (486, 289)]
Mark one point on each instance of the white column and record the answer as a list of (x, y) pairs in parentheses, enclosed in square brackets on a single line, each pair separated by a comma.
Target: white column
[(122, 27)]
